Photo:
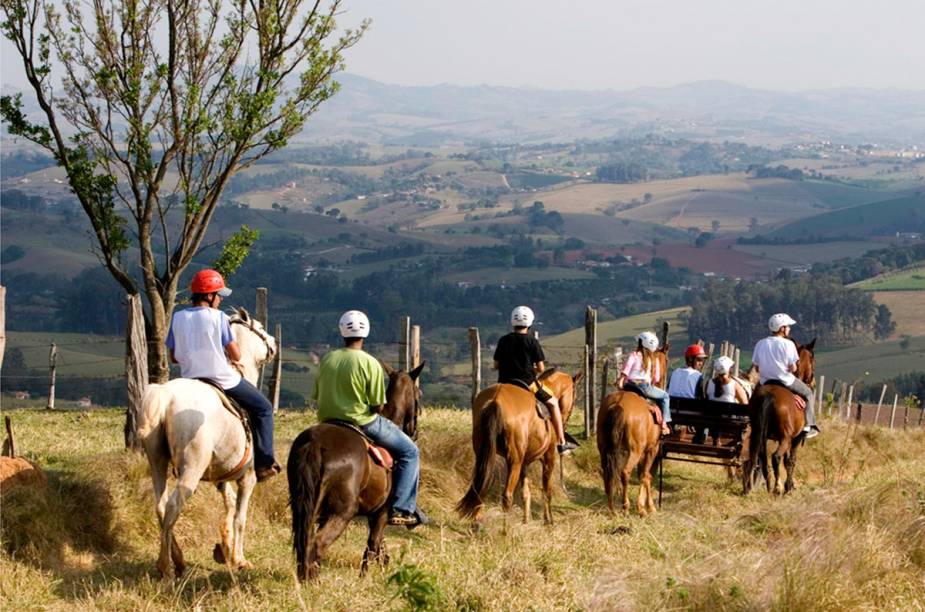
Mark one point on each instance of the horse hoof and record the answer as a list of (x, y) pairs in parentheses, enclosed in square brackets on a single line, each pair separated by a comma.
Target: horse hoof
[(245, 565), (218, 554)]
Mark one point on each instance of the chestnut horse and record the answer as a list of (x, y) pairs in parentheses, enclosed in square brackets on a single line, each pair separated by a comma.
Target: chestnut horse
[(333, 478), (774, 415), (505, 421)]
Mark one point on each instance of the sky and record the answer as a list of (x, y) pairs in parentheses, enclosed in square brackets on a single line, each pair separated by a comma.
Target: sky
[(624, 44)]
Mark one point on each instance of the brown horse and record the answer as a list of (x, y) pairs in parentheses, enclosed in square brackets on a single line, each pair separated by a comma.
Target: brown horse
[(333, 478), (505, 421), (774, 415)]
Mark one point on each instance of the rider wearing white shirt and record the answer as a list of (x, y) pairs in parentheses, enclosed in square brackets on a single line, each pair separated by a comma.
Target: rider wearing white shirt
[(685, 382), (776, 358)]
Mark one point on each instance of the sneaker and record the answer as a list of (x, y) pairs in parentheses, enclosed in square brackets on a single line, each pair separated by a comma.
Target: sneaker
[(402, 518), (421, 517), (267, 473), (565, 449), (809, 432)]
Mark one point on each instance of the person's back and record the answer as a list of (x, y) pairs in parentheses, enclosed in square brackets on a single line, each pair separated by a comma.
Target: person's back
[(684, 382), (773, 356), (349, 381), (516, 355)]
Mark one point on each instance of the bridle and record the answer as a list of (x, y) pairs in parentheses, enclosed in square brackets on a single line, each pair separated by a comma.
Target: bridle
[(260, 333)]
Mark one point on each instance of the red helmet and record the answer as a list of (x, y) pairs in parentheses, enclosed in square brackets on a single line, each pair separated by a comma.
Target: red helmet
[(209, 281), (694, 350)]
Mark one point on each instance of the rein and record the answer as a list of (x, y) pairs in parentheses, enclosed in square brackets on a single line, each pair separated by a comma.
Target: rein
[(260, 333)]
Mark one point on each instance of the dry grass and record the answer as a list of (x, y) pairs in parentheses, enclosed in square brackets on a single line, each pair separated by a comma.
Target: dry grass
[(851, 536)]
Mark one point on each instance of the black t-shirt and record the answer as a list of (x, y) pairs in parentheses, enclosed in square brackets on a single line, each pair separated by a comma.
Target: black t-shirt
[(516, 354)]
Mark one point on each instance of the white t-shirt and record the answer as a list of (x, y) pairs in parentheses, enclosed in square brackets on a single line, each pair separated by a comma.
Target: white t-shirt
[(197, 338), (728, 393), (684, 382), (774, 356)]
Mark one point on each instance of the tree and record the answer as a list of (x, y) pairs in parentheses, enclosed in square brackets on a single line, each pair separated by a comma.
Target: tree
[(159, 104), (884, 326)]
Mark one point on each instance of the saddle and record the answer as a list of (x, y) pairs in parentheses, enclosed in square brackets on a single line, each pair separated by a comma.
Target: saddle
[(380, 455), (800, 402), (235, 409), (653, 407)]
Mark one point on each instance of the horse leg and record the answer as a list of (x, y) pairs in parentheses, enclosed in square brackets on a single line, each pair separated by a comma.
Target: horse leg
[(514, 467), (222, 552), (245, 489), (647, 460), (374, 547), (631, 461), (549, 470), (190, 474), (790, 460), (159, 462), (525, 492), (329, 532), (780, 457)]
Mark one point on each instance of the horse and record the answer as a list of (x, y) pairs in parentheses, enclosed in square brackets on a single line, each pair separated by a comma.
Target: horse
[(774, 415), (333, 478), (505, 421), (628, 437), (184, 425)]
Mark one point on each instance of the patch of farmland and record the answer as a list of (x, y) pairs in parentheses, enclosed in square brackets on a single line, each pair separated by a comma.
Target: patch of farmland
[(615, 231), (908, 310), (912, 279), (866, 220), (871, 362), (808, 254), (835, 195), (717, 257), (516, 276)]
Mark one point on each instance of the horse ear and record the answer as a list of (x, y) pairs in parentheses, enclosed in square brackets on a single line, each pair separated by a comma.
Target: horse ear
[(577, 378), (416, 372), (388, 369), (242, 312), (811, 345)]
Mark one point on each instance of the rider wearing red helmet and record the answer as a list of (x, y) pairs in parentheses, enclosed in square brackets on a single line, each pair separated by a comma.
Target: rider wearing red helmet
[(685, 382), (200, 340)]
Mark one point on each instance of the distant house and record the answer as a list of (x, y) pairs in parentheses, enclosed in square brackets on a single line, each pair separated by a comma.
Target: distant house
[(84, 402)]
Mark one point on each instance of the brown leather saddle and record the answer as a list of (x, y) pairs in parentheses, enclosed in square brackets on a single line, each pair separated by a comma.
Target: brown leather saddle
[(379, 454), (653, 407)]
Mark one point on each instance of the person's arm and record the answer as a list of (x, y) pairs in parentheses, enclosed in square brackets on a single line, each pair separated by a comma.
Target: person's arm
[(539, 367), (173, 358), (495, 365), (375, 388), (233, 352), (741, 396), (621, 380)]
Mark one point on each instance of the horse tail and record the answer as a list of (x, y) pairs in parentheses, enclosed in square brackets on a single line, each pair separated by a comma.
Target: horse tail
[(150, 418), (303, 470), (611, 431), (487, 429), (758, 441)]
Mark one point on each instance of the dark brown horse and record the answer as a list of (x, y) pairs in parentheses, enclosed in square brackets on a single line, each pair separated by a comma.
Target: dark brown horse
[(774, 415), (505, 421), (333, 478)]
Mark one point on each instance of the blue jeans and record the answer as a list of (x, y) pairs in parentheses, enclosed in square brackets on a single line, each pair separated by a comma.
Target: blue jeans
[(660, 396), (387, 434), (260, 411)]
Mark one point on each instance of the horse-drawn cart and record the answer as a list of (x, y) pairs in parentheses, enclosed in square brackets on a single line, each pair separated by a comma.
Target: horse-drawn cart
[(726, 424)]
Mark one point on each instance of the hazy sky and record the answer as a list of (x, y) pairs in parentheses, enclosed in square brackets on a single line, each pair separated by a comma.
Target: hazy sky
[(620, 44)]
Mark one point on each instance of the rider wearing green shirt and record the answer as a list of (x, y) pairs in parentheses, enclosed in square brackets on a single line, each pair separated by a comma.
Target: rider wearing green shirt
[(351, 386)]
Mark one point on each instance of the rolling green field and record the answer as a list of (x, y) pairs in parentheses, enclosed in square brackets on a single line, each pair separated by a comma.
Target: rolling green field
[(865, 220), (808, 254), (851, 531), (872, 362), (912, 279)]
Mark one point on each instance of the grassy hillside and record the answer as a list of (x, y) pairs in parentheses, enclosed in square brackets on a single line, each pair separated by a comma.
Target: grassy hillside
[(850, 537), (907, 308), (866, 220), (873, 362), (912, 279)]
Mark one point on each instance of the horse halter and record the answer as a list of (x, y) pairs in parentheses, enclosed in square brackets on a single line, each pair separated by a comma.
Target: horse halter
[(260, 333)]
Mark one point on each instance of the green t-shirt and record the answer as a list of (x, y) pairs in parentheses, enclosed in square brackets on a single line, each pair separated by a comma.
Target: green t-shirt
[(349, 382)]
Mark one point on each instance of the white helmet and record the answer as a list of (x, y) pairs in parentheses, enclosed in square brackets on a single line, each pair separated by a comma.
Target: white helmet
[(649, 340), (522, 316), (723, 365), (779, 320), (354, 324)]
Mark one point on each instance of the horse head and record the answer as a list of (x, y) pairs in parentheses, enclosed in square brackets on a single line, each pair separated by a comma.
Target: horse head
[(564, 387), (403, 398), (257, 346), (806, 367)]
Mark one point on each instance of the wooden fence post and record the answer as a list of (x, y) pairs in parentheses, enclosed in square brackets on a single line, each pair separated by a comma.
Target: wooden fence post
[(605, 378), (879, 404), (921, 412), (848, 403), (136, 368), (893, 412), (735, 358), (841, 398), (276, 381), (820, 399), (589, 393), (906, 415), (860, 409), (2, 323), (415, 347), (404, 339), (591, 363), (52, 366), (261, 313), (475, 351)]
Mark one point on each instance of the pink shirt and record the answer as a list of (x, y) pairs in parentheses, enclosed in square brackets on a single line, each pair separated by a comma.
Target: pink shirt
[(633, 371)]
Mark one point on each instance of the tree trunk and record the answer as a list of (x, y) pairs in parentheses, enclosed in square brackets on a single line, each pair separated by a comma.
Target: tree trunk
[(157, 324)]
